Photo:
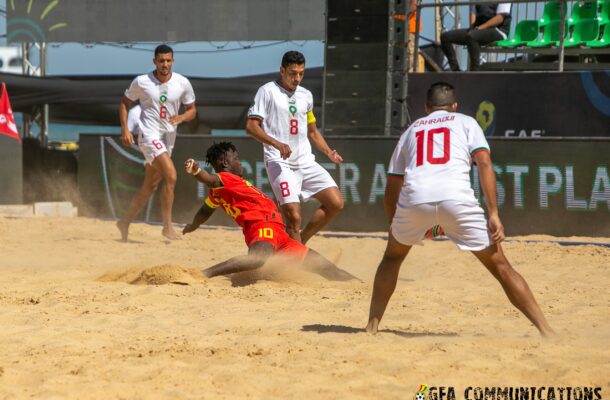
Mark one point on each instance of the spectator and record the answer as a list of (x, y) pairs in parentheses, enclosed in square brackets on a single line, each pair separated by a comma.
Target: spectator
[(488, 23)]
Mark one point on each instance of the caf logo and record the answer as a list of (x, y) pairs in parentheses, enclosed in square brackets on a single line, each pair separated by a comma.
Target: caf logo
[(421, 393)]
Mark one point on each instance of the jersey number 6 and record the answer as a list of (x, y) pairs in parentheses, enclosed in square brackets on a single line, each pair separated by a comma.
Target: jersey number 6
[(421, 138)]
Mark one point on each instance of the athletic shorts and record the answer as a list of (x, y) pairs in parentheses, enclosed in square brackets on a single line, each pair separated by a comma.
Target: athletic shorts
[(154, 147), (464, 223), (292, 185), (275, 234)]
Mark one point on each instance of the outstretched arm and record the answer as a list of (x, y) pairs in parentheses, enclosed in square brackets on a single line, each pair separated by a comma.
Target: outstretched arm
[(319, 142), (204, 213), (487, 177)]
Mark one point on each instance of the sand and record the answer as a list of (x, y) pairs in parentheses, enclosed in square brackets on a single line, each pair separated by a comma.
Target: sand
[(85, 316)]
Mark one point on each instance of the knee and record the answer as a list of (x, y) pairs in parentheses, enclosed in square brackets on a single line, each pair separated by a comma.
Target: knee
[(151, 187), (335, 205), (293, 218), (170, 179), (444, 38)]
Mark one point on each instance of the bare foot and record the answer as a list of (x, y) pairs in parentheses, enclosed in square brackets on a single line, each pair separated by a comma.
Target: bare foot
[(123, 228), (171, 234), (373, 326)]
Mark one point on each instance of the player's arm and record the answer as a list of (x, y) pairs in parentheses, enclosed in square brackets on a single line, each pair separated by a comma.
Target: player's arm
[(254, 129), (186, 116), (202, 215), (319, 142), (390, 198), (192, 167), (487, 178), (126, 136)]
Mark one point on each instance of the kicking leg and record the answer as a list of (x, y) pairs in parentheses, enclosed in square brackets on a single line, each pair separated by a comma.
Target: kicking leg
[(320, 265), (258, 253), (385, 281), (151, 180), (332, 203), (515, 287)]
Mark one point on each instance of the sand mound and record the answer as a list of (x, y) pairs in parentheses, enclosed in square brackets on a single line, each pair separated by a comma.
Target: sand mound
[(157, 275)]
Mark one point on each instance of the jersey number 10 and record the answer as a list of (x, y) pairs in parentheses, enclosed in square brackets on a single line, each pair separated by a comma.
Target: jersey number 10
[(427, 137)]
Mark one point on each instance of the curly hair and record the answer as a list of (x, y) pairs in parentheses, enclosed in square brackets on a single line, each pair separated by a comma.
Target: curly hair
[(218, 151)]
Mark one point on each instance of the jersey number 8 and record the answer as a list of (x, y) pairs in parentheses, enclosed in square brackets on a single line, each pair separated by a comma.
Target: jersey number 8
[(294, 127)]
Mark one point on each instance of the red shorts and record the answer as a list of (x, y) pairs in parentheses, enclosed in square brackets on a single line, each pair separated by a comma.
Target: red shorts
[(275, 234)]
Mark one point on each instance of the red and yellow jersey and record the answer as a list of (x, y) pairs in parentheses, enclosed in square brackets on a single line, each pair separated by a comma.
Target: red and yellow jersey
[(244, 202)]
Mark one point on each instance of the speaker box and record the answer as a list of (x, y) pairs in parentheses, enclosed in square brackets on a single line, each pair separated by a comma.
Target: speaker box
[(356, 85), (354, 8), (358, 57), (369, 29), (354, 113)]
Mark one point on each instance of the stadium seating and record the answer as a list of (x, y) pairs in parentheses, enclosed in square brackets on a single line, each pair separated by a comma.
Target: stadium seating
[(604, 12), (551, 12), (603, 40), (550, 35), (584, 30), (582, 11), (525, 31)]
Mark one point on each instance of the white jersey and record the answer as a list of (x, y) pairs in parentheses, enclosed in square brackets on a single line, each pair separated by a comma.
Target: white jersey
[(133, 119), (435, 157), (159, 101), (285, 116)]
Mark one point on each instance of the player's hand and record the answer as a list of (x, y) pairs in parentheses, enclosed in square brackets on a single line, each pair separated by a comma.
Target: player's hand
[(496, 229), (188, 228), (334, 156), (126, 138), (176, 120), (284, 149), (191, 167)]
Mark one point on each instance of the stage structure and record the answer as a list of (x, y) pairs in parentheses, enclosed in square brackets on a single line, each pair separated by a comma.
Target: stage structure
[(365, 67)]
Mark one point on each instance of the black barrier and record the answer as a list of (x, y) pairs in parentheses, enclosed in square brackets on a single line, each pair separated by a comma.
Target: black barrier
[(11, 171), (526, 104), (546, 186)]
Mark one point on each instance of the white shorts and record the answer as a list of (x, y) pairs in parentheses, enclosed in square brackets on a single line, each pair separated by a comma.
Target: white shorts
[(154, 147), (464, 223), (292, 185)]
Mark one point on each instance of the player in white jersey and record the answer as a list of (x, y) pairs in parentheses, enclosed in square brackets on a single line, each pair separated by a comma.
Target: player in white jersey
[(160, 94), (282, 119), (430, 184)]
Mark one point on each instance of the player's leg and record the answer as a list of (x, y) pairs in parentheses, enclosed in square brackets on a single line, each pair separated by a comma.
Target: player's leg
[(320, 265), (515, 286), (152, 177), (258, 253), (318, 183), (385, 280), (331, 203), (292, 215), (286, 185), (164, 165)]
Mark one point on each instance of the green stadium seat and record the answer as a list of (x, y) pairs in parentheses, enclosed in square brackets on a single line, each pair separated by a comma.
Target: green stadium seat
[(603, 40), (583, 31), (604, 12), (580, 11), (551, 12), (525, 31), (550, 35)]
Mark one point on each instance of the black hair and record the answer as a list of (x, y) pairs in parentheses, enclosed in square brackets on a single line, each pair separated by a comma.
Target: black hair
[(440, 94), (163, 49), (218, 151), (292, 57)]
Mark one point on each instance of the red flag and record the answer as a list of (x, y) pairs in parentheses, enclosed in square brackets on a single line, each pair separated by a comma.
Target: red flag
[(7, 120)]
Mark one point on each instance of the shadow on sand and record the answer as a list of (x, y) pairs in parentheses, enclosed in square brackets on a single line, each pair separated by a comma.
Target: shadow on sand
[(349, 329)]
